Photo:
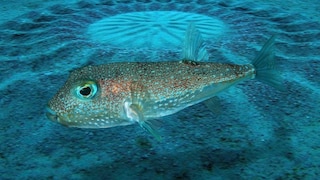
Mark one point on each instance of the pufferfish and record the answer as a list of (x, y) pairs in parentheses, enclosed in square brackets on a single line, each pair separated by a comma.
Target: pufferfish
[(124, 93)]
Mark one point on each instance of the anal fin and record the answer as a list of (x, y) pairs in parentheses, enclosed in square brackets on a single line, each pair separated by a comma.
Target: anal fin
[(213, 104)]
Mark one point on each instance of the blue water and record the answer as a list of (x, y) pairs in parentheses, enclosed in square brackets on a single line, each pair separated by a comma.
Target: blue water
[(257, 133)]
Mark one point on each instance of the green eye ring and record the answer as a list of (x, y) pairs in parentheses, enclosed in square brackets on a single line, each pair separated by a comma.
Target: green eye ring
[(86, 90)]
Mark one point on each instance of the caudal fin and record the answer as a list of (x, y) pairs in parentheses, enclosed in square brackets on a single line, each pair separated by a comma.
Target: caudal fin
[(265, 66)]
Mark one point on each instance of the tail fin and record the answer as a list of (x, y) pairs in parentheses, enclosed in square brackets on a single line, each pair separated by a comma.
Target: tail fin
[(265, 66)]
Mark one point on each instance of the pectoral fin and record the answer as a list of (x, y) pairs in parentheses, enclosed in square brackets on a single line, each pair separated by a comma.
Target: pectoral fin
[(135, 113), (136, 107), (151, 128)]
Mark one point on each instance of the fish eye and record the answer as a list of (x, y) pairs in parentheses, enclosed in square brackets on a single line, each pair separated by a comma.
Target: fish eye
[(86, 90)]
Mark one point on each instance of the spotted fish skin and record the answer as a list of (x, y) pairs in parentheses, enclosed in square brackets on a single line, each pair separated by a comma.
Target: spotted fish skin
[(166, 87), (117, 94)]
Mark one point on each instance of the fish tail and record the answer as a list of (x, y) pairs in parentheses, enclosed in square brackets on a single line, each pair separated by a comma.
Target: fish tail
[(265, 66)]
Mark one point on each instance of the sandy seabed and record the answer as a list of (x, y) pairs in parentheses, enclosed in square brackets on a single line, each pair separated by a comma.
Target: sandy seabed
[(259, 133)]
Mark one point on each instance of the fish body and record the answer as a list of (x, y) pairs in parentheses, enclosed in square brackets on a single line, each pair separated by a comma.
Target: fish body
[(124, 93)]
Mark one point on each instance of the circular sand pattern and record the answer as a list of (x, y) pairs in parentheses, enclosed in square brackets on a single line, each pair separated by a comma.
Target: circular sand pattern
[(153, 29)]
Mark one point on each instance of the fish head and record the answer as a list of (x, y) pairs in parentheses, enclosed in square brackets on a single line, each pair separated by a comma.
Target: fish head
[(79, 103)]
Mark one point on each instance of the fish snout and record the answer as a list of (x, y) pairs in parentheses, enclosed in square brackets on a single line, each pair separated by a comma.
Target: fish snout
[(51, 114)]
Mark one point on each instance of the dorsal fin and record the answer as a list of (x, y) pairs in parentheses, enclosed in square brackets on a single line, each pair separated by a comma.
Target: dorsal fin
[(194, 47)]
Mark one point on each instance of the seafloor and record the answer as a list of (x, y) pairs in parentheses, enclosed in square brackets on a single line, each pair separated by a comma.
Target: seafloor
[(259, 132)]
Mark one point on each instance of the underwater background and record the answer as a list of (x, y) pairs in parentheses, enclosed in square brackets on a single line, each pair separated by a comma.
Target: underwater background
[(257, 133)]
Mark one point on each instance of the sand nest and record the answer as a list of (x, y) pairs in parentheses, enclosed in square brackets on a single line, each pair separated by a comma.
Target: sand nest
[(152, 29)]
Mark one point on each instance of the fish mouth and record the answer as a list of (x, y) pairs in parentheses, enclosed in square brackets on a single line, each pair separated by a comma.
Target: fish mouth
[(51, 114)]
